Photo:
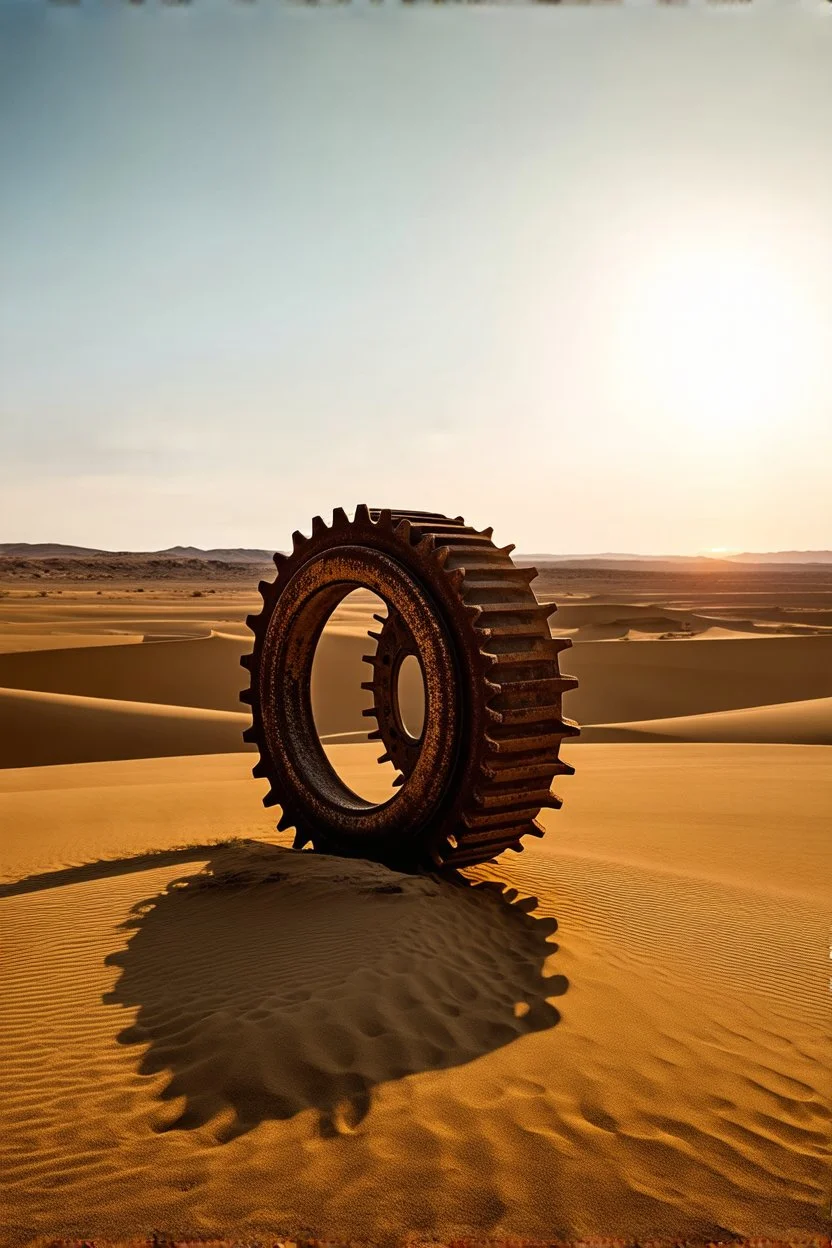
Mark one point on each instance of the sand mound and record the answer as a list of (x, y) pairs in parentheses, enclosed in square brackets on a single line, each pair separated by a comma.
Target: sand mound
[(801, 723)]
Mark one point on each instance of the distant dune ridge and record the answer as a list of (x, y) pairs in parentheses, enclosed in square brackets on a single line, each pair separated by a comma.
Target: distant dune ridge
[(233, 554), (620, 1033)]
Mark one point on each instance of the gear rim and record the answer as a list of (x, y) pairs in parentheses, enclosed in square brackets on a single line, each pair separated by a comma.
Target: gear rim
[(506, 709)]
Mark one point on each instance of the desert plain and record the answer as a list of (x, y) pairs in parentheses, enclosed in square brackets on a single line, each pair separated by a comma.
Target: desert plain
[(622, 1031)]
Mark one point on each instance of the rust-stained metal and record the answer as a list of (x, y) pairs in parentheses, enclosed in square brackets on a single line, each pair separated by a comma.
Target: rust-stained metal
[(479, 774)]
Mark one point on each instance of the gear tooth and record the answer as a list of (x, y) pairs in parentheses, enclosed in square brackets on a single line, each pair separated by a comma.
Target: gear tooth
[(259, 770), (492, 688), (384, 758), (442, 555), (536, 829), (506, 550), (381, 619), (375, 636), (456, 576), (253, 620), (553, 802), (246, 661), (474, 611), (362, 514), (375, 735), (427, 544), (489, 532), (340, 519), (494, 717), (517, 847), (278, 559), (271, 798), (459, 520), (264, 588), (369, 712), (246, 696), (398, 781), (369, 685), (249, 735), (385, 518), (369, 658), (549, 609), (318, 526), (285, 821), (404, 530), (301, 839), (298, 541)]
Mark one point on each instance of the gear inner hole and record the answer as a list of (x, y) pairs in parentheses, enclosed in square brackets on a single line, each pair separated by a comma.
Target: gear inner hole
[(338, 700), (409, 684)]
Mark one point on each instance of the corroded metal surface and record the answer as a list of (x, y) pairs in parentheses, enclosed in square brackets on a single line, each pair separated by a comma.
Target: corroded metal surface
[(479, 774)]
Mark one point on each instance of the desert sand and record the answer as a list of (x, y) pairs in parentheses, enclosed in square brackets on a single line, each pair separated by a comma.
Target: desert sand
[(622, 1031)]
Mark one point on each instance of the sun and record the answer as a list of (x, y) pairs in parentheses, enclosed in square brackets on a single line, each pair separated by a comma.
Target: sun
[(723, 330)]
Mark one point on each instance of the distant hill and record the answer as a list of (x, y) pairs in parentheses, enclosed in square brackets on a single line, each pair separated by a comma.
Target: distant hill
[(237, 554), (44, 550), (613, 559), (784, 556), (55, 550)]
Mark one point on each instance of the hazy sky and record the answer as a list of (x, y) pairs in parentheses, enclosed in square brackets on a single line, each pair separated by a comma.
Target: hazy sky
[(564, 271)]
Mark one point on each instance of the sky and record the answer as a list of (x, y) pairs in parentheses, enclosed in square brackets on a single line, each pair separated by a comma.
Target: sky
[(564, 271)]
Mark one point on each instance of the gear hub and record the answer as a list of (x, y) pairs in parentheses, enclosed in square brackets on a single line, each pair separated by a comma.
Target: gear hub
[(474, 780)]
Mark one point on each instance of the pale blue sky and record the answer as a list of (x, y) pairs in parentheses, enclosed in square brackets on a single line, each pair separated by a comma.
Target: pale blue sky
[(565, 271)]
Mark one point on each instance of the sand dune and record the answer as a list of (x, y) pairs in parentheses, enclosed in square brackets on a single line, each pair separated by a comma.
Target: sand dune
[(605, 621), (202, 673), (215, 1021), (15, 643), (42, 728), (634, 681), (801, 723), (620, 682)]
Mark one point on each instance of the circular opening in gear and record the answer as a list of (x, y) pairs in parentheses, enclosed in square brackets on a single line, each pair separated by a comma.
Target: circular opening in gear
[(339, 669), (410, 695)]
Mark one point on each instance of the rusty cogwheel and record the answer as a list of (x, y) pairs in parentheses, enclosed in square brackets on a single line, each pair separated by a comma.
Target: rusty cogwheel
[(472, 783)]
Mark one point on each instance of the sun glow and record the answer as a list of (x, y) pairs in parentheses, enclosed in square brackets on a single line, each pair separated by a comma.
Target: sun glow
[(726, 337)]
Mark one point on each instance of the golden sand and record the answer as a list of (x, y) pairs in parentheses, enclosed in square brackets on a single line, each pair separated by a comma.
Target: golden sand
[(622, 1031)]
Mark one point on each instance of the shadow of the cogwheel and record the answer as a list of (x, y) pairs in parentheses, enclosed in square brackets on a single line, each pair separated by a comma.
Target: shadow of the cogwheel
[(275, 981)]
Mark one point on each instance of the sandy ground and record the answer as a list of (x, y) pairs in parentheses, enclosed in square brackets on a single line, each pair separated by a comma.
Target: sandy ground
[(622, 1031)]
